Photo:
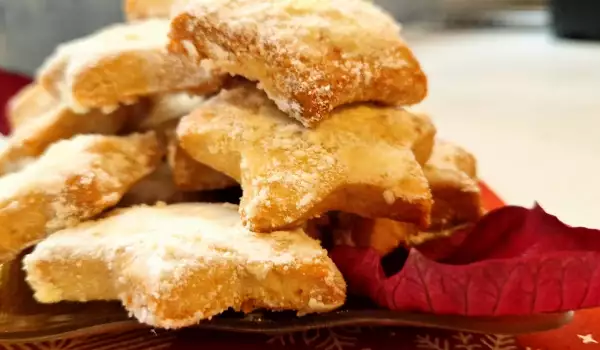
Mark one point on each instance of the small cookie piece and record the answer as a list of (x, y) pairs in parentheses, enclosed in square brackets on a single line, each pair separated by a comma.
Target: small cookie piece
[(136, 10), (59, 122), (72, 181), (121, 63), (191, 175), (384, 235), (360, 160), (173, 266), (29, 103), (452, 175), (309, 56)]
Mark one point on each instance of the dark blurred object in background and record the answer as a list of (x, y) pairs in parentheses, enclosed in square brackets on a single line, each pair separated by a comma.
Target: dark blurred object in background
[(576, 19), (468, 14)]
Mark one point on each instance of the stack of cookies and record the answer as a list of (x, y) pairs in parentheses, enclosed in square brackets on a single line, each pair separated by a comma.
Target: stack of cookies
[(128, 137)]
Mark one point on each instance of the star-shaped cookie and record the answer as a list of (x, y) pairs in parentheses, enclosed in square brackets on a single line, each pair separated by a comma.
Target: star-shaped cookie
[(121, 63), (72, 181), (360, 160), (309, 56), (173, 266), (58, 122)]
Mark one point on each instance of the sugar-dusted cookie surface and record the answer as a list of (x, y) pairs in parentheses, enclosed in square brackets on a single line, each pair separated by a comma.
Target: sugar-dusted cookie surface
[(191, 175), (187, 174), (452, 175), (121, 63), (173, 266), (72, 181), (166, 108), (310, 56), (363, 159), (59, 122)]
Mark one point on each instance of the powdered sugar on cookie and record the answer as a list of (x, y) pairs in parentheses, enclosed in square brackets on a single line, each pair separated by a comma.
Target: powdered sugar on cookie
[(309, 56), (73, 181), (121, 63), (173, 266), (290, 174)]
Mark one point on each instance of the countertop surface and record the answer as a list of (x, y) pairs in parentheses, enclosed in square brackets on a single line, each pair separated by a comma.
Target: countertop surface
[(528, 106)]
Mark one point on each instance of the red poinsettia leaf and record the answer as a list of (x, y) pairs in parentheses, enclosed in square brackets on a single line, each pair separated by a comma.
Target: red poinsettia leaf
[(515, 261), (442, 248)]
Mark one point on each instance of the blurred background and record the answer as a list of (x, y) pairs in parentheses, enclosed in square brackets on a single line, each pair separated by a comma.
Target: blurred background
[(515, 81), (30, 29)]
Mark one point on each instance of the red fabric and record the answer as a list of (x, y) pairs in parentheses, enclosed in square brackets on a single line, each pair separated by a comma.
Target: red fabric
[(582, 334), (10, 83)]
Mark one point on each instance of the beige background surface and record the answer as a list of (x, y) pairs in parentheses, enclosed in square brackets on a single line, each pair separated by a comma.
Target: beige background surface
[(528, 105)]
